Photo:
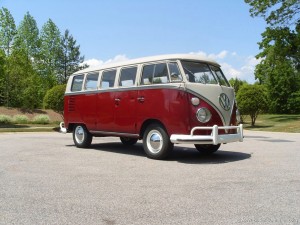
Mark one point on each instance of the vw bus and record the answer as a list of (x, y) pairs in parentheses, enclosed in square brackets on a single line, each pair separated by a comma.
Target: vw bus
[(161, 100)]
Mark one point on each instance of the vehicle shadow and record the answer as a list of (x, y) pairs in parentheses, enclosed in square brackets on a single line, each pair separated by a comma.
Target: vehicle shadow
[(192, 156), (187, 155)]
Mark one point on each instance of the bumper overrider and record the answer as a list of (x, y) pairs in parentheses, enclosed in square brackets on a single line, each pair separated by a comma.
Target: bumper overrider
[(215, 138), (62, 128)]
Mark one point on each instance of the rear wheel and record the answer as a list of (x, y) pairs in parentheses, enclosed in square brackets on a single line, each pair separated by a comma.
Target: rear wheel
[(81, 137), (207, 149), (156, 142), (128, 141)]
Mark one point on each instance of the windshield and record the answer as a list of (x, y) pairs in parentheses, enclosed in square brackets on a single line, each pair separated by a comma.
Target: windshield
[(199, 72)]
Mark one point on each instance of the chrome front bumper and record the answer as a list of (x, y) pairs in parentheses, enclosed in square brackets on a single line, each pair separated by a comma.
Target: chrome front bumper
[(62, 128), (215, 138)]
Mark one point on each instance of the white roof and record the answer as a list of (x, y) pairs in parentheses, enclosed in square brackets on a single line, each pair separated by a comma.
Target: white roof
[(192, 57)]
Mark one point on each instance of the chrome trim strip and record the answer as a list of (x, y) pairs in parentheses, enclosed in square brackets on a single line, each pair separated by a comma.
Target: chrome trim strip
[(108, 133), (133, 88)]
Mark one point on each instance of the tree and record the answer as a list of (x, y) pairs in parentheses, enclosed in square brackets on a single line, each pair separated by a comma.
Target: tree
[(7, 34), (252, 100), (7, 30), (50, 53), (70, 58), (276, 12), (24, 86), (2, 77), (27, 37), (279, 67), (236, 83)]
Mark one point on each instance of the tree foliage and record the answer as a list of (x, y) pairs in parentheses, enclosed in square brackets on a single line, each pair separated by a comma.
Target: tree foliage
[(70, 58), (252, 100), (32, 61), (27, 37), (276, 12), (7, 30), (279, 69), (236, 83)]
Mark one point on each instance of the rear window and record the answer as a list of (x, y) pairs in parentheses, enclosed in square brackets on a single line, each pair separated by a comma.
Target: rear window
[(77, 83)]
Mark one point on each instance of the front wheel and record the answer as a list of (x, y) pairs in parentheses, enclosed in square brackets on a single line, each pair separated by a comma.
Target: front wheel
[(156, 142), (207, 149), (81, 137)]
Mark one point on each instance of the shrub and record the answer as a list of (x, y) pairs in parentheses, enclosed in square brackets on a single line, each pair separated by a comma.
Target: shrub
[(20, 119), (41, 119), (4, 119), (54, 98), (252, 100)]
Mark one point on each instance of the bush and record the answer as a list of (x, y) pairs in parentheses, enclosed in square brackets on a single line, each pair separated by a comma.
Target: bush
[(252, 100), (20, 119), (54, 98), (41, 119), (4, 119)]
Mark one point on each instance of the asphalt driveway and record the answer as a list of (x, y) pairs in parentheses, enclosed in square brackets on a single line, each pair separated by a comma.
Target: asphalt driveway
[(45, 179)]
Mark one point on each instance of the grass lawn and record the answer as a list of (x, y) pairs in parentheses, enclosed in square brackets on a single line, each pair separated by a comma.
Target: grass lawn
[(275, 122), (28, 127)]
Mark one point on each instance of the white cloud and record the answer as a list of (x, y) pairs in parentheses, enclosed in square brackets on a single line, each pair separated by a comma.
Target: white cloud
[(98, 62), (220, 55)]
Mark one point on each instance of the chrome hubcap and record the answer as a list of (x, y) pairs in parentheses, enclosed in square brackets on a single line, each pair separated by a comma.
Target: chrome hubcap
[(154, 141), (79, 134)]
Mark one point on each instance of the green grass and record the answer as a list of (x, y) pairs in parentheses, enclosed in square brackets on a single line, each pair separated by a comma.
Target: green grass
[(29, 127), (275, 123)]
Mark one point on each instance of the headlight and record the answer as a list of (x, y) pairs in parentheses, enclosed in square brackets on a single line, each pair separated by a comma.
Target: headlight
[(203, 115)]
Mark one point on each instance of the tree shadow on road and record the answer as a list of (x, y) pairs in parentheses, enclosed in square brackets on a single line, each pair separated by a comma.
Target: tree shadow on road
[(187, 155)]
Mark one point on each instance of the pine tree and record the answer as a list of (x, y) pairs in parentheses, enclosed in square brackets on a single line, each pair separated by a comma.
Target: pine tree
[(70, 58)]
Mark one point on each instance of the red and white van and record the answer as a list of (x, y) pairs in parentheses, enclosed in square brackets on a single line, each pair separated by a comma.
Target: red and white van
[(164, 100)]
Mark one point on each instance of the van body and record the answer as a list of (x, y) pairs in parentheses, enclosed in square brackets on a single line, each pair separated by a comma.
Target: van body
[(164, 100)]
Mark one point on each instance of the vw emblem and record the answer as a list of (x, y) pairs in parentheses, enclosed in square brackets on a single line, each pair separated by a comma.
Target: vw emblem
[(224, 101)]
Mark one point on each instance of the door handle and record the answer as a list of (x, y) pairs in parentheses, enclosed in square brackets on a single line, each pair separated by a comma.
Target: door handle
[(141, 99), (117, 101)]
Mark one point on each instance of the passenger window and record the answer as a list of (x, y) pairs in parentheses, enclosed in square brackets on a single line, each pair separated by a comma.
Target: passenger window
[(77, 83), (174, 72), (155, 74), (127, 77), (91, 81), (108, 79)]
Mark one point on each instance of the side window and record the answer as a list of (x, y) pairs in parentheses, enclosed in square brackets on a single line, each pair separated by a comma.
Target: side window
[(127, 77), (77, 83), (174, 72), (108, 79), (91, 81), (155, 74)]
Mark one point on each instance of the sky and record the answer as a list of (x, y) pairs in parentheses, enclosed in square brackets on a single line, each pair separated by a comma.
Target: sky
[(116, 30)]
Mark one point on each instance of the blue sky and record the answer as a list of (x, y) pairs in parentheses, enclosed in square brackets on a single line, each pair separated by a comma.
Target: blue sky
[(113, 30)]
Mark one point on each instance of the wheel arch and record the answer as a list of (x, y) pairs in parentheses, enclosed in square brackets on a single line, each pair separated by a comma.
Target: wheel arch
[(147, 122)]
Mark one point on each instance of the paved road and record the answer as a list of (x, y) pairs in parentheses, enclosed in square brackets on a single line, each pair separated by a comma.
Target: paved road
[(44, 179)]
